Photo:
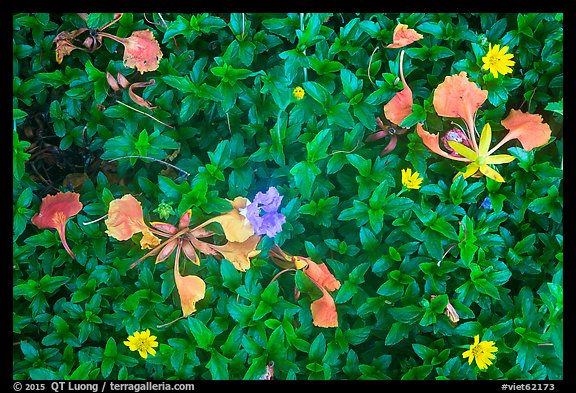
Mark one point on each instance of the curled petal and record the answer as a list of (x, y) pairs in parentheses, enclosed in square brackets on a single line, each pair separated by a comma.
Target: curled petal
[(138, 99), (324, 312), (64, 45), (190, 288), (122, 81), (404, 36), (55, 210), (431, 141), (458, 97), (527, 128)]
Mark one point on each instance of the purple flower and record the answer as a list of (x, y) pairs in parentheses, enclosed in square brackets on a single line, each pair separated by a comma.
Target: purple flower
[(271, 222), (270, 200), (486, 203)]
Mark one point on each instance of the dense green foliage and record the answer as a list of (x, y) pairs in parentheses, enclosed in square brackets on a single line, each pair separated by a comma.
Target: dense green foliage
[(226, 115)]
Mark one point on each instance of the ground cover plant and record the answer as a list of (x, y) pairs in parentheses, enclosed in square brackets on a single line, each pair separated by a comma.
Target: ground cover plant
[(288, 196)]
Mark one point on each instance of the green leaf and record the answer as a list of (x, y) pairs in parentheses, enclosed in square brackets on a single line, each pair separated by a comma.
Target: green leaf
[(304, 176), (317, 147), (218, 366), (230, 275), (204, 336)]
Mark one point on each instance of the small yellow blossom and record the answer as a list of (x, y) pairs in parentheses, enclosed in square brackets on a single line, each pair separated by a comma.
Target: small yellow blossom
[(497, 61), (481, 352), (410, 180), (298, 93), (142, 342)]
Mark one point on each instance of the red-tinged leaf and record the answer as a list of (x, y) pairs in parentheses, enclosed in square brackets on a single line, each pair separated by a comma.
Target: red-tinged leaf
[(185, 219)]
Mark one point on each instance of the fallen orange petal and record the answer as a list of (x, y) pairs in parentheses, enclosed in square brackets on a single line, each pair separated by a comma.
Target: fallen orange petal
[(319, 273), (400, 106), (431, 141), (404, 36), (190, 288), (458, 97), (528, 128), (55, 210), (142, 51), (125, 218), (239, 254), (324, 312)]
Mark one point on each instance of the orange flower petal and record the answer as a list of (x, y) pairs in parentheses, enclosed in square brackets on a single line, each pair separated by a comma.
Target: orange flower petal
[(527, 128), (190, 288), (404, 36), (458, 97), (142, 51), (239, 254), (125, 218), (324, 312), (320, 274), (400, 106), (55, 210), (431, 141)]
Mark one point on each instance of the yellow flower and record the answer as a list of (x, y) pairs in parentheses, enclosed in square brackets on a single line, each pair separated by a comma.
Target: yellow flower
[(298, 93), (498, 61), (482, 158), (410, 180), (142, 342), (481, 352)]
